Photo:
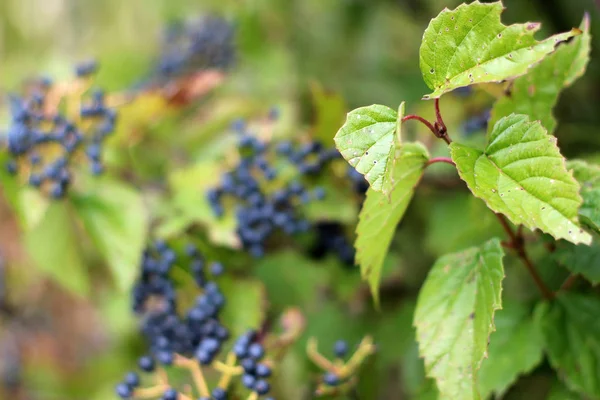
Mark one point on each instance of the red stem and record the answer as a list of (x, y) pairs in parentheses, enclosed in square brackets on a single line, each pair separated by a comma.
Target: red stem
[(422, 120), (434, 160), (442, 131), (517, 243), (569, 282)]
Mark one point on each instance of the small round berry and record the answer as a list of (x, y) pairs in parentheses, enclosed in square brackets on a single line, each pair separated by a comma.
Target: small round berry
[(340, 348), (132, 379), (165, 357), (217, 269), (170, 394), (124, 391), (204, 357), (331, 379), (263, 371), (248, 381), (146, 363), (262, 387), (219, 394), (249, 365), (256, 351)]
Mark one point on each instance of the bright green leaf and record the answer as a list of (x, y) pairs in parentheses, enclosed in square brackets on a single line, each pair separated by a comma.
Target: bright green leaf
[(588, 175), (381, 213), (246, 304), (536, 93), (522, 175), (53, 246), (470, 45), (571, 330), (455, 317), (515, 348), (367, 141), (116, 220)]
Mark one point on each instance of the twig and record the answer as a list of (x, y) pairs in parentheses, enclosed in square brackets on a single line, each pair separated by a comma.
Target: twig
[(422, 120), (434, 160), (518, 245), (569, 282), (440, 125)]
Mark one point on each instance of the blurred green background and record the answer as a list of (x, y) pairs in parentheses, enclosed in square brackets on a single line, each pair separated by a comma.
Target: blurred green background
[(364, 50)]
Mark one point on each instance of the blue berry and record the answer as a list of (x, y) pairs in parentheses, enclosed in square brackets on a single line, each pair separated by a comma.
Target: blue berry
[(86, 68), (132, 379), (248, 381), (124, 391), (165, 357), (217, 269), (340, 348), (146, 363), (170, 394), (263, 371), (262, 387), (219, 394), (249, 365), (331, 379), (256, 351)]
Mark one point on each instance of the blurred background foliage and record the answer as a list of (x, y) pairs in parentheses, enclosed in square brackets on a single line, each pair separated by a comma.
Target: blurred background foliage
[(314, 60)]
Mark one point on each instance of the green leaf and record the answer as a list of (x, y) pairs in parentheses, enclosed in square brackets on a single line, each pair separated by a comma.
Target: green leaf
[(522, 175), (367, 141), (588, 175), (515, 348), (470, 45), (246, 304), (571, 330), (116, 220), (455, 316), (381, 213), (580, 259), (53, 246), (561, 392), (536, 93)]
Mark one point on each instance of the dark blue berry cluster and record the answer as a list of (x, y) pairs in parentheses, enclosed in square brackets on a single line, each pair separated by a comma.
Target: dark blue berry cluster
[(263, 207), (197, 333), (191, 46), (250, 353), (330, 238), (43, 142)]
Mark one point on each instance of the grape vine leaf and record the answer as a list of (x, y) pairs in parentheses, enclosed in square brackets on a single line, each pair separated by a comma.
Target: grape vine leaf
[(115, 218), (381, 213), (455, 316), (571, 330), (522, 175), (470, 45), (515, 348), (536, 93), (588, 175), (53, 244), (580, 259), (367, 140)]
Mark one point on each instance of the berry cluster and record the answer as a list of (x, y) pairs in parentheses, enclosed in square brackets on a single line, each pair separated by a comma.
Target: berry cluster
[(195, 337), (207, 43), (199, 333), (250, 353), (261, 210), (43, 142), (330, 238)]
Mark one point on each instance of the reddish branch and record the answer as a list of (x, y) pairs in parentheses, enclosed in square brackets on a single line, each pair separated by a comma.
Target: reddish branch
[(438, 128), (517, 243), (434, 160)]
